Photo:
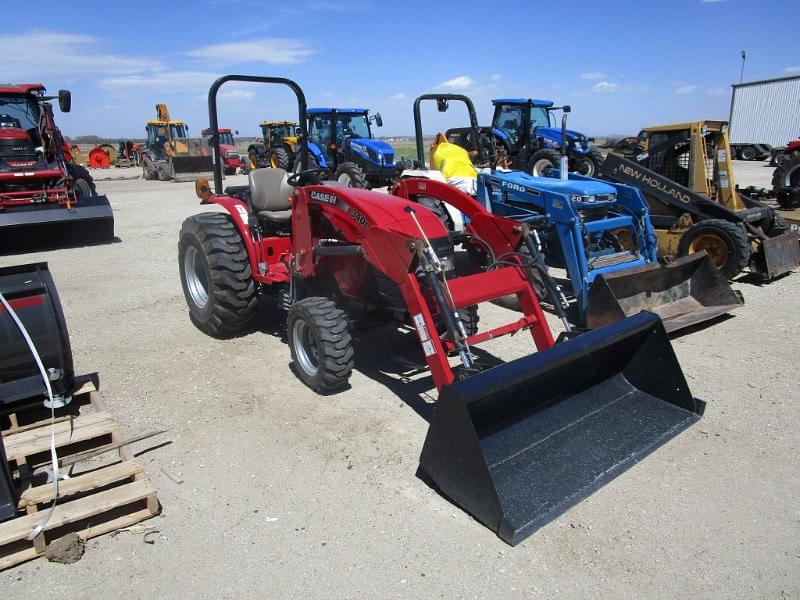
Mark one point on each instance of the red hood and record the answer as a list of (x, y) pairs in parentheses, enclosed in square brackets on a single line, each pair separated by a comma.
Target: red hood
[(13, 133), (20, 88)]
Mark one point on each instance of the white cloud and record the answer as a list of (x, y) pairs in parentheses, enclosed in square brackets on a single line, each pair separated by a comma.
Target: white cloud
[(605, 86), (793, 69), (273, 51), (685, 89), (164, 80), (400, 96), (495, 77), (44, 54), (594, 75), (235, 94), (462, 82)]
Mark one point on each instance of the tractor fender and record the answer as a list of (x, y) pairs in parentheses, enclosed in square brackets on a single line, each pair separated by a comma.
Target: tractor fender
[(240, 215), (319, 155)]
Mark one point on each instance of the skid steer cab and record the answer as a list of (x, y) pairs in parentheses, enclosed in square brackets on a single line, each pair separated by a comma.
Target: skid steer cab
[(341, 142), (335, 258)]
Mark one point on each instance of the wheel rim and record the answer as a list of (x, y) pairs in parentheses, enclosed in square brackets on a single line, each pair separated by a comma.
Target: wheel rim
[(345, 179), (792, 178), (273, 161), (253, 163), (196, 274), (748, 154), (305, 347), (586, 168), (540, 166), (715, 247)]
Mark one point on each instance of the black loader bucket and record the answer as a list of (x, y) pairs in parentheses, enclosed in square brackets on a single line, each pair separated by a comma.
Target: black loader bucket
[(189, 168), (519, 444), (30, 291), (685, 292), (776, 256), (89, 222)]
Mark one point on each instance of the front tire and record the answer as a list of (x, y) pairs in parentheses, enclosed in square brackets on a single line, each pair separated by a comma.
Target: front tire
[(215, 275), (351, 175), (278, 158), (542, 161), (320, 344), (725, 243)]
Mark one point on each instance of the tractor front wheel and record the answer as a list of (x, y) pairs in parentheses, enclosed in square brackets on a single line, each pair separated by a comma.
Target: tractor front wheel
[(437, 207), (320, 344), (350, 174), (279, 159), (584, 166), (725, 243), (215, 275), (542, 161)]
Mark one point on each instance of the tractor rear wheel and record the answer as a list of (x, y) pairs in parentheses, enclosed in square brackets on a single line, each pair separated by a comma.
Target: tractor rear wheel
[(320, 344), (351, 175), (215, 275), (725, 243), (278, 158), (786, 175), (543, 160)]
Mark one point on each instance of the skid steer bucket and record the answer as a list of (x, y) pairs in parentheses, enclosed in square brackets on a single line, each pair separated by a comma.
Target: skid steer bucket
[(31, 293), (189, 168), (89, 222), (685, 292), (776, 256), (518, 445)]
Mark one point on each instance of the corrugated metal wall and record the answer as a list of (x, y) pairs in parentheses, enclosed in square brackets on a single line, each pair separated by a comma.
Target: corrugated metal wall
[(766, 112)]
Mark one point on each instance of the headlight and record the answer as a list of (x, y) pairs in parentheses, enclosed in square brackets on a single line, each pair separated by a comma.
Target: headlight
[(231, 154)]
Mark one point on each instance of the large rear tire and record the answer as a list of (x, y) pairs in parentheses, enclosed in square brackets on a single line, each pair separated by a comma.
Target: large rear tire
[(320, 344), (278, 158), (725, 243), (786, 175), (437, 207), (351, 175), (543, 160), (215, 275)]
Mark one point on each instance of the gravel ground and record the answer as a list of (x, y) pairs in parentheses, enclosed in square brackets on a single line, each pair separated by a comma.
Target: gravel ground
[(288, 494)]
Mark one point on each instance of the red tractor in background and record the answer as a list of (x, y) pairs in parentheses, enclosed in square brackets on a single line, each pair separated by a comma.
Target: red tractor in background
[(46, 200), (231, 160), (516, 443)]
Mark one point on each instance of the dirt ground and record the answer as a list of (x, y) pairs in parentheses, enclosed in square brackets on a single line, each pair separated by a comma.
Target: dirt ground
[(286, 494)]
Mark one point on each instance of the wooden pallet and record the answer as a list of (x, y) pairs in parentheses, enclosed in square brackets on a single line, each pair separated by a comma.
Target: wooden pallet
[(110, 493)]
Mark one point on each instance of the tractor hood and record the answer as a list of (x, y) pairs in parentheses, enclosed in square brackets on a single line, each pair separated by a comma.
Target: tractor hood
[(519, 181), (553, 136), (374, 150)]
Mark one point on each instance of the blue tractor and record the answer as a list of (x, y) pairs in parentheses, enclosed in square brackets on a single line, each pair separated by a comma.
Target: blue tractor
[(598, 233), (525, 130), (340, 140)]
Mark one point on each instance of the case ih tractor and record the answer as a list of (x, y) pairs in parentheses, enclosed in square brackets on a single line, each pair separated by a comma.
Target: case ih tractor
[(46, 200), (525, 129), (279, 147), (515, 444), (340, 141), (227, 146)]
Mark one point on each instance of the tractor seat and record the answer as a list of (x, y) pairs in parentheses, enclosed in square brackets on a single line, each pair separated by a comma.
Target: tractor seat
[(270, 193)]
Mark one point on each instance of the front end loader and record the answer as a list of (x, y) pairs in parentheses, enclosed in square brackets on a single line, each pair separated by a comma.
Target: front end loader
[(516, 444), (170, 155), (46, 201), (686, 175), (599, 233)]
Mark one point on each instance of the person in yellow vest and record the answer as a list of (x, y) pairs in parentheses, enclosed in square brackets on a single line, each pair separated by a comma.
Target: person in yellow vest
[(454, 163)]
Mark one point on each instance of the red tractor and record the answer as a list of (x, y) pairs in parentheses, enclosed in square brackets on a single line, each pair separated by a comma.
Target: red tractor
[(46, 200), (515, 444), (231, 161)]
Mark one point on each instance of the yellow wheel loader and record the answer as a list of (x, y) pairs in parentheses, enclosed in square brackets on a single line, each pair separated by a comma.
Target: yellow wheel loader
[(169, 152), (278, 148), (686, 175)]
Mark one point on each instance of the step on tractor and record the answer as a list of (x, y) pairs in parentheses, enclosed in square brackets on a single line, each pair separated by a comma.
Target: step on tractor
[(170, 155), (686, 174), (340, 141), (515, 444), (46, 199), (231, 161), (599, 233), (278, 148), (526, 130)]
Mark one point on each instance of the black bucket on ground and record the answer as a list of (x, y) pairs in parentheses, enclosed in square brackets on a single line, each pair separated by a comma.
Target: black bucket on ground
[(40, 227), (776, 256), (684, 292), (519, 444), (30, 291)]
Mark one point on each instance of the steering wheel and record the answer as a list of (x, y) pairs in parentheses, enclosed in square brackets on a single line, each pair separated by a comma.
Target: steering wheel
[(307, 177)]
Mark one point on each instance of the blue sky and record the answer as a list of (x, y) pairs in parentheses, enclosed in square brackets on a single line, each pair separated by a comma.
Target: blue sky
[(620, 64)]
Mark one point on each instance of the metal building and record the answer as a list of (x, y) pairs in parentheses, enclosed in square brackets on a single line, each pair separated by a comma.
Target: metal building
[(765, 111)]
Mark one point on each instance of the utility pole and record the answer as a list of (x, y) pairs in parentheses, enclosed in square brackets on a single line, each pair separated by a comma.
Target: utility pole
[(741, 74)]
